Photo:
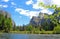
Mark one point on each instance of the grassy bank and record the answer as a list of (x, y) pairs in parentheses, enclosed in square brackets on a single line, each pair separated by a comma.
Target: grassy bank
[(32, 32)]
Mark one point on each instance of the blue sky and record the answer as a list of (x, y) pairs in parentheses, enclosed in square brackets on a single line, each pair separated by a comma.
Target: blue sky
[(23, 10)]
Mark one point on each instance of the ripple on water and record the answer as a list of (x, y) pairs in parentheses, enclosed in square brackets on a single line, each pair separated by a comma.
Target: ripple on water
[(29, 36)]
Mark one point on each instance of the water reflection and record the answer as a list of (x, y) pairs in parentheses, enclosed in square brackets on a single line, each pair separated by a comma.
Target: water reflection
[(5, 36), (28, 36), (42, 36)]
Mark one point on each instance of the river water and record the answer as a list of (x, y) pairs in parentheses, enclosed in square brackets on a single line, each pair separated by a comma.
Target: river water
[(29, 36)]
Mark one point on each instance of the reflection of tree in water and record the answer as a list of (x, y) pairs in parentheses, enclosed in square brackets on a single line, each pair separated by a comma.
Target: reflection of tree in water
[(4, 36)]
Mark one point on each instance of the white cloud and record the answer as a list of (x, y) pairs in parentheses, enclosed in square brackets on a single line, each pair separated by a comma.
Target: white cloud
[(46, 11), (35, 5), (27, 12), (29, 2), (57, 2), (13, 3), (5, 0), (32, 13), (47, 2), (5, 6)]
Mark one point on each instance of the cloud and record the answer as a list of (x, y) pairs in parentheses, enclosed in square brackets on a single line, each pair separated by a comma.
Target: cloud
[(29, 2), (5, 0), (46, 2), (57, 2), (4, 6), (27, 12), (35, 4), (43, 10), (46, 11), (32, 13), (13, 3)]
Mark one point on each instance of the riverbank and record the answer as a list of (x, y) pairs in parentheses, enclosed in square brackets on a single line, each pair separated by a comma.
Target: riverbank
[(32, 32)]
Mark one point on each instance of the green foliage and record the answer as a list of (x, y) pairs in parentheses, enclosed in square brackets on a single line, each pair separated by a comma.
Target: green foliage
[(36, 29), (1, 21), (29, 28), (57, 9), (47, 6), (46, 16), (55, 17), (5, 23), (17, 28), (57, 30)]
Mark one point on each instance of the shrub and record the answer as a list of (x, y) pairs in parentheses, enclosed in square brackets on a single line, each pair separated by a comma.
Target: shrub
[(56, 30)]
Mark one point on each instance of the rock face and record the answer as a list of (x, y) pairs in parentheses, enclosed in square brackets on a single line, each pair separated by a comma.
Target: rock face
[(7, 15), (39, 20)]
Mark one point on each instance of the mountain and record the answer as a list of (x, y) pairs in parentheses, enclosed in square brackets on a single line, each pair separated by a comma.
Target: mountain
[(39, 20), (45, 21), (42, 21), (6, 15)]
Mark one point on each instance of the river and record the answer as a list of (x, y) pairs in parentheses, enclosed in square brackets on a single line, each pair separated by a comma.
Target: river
[(29, 36)]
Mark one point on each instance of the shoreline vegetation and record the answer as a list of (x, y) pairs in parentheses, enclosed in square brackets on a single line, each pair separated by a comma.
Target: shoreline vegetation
[(32, 32), (29, 32)]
